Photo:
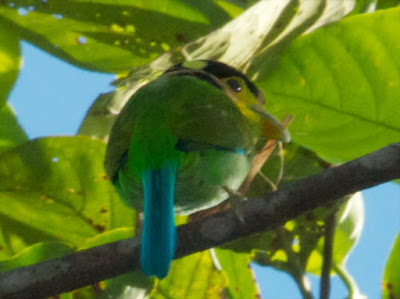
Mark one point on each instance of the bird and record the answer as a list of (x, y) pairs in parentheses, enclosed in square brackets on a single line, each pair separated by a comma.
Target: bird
[(178, 143)]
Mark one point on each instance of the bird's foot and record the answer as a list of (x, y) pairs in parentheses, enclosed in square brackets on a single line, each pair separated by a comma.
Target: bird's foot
[(236, 199)]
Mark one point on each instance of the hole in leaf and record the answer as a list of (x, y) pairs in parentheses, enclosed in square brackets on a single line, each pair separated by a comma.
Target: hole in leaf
[(57, 16), (81, 40), (22, 11), (55, 159)]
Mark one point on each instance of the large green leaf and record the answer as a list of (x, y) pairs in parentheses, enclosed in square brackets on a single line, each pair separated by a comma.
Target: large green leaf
[(382, 4), (55, 189), (193, 276), (11, 133), (259, 29), (391, 276), (262, 27), (349, 224), (342, 83), (241, 280), (107, 35), (9, 62), (350, 221)]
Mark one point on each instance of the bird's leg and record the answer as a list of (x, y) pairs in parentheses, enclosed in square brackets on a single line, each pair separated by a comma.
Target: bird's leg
[(236, 199)]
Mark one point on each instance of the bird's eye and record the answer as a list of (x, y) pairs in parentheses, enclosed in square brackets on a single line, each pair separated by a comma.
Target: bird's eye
[(234, 85)]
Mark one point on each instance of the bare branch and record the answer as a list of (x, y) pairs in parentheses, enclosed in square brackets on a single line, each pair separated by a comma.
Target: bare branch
[(260, 214)]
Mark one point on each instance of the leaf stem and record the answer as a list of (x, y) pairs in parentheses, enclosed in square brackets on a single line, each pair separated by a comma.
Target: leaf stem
[(295, 267), (354, 292), (303, 284)]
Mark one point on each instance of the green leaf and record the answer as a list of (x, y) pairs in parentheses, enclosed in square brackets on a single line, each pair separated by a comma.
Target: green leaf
[(391, 276), (11, 133), (241, 280), (101, 115), (236, 43), (364, 6), (193, 276), (106, 35), (9, 62), (35, 254), (232, 9), (349, 224), (55, 189), (109, 237), (340, 82), (383, 4), (263, 26), (302, 233), (297, 163), (126, 286)]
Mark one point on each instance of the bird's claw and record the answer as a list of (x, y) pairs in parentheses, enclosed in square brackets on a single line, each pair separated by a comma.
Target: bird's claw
[(236, 199)]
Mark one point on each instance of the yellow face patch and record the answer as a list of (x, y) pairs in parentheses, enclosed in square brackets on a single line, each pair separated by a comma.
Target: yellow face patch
[(251, 106), (237, 89)]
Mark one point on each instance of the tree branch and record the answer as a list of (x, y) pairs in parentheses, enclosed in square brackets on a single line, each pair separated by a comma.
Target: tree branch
[(89, 266)]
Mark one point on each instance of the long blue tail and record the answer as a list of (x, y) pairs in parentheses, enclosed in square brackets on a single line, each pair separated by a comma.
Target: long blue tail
[(159, 233)]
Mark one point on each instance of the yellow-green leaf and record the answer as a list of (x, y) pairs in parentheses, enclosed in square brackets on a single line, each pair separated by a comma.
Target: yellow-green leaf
[(391, 277), (241, 279), (9, 61), (342, 84), (193, 276), (11, 133), (55, 189)]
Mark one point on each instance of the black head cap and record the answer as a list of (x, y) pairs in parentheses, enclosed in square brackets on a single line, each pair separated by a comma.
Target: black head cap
[(203, 68)]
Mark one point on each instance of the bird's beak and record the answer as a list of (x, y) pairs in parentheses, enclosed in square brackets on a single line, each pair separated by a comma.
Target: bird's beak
[(270, 126)]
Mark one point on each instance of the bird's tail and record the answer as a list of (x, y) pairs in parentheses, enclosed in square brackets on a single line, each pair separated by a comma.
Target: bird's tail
[(159, 233)]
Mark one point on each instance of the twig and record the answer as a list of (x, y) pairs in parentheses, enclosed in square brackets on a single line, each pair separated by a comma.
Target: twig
[(260, 214), (304, 286), (330, 224), (281, 163), (262, 157), (296, 269)]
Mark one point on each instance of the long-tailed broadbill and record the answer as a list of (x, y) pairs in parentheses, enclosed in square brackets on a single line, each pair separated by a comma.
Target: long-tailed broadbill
[(179, 142)]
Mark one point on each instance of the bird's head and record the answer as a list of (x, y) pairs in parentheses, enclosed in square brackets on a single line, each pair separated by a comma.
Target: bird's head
[(244, 93)]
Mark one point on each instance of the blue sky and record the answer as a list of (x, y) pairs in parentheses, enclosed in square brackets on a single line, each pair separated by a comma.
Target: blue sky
[(52, 97)]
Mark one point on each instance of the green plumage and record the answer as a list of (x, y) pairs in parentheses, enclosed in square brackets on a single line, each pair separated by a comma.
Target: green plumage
[(174, 108), (182, 137)]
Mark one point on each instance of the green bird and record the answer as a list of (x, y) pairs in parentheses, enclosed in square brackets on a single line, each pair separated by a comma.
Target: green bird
[(178, 141)]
